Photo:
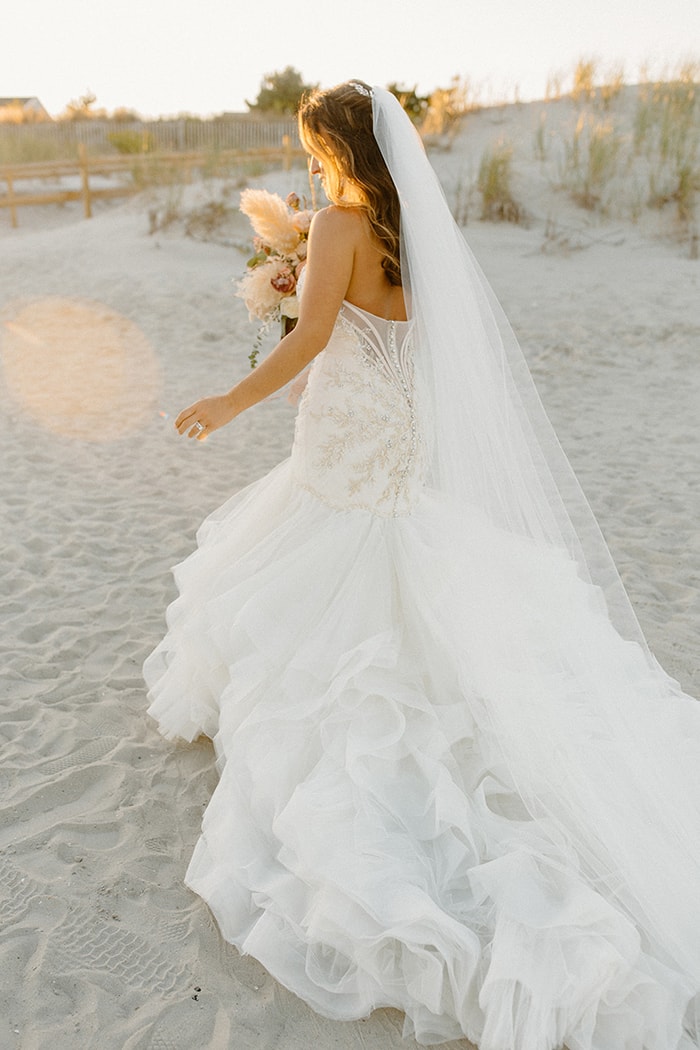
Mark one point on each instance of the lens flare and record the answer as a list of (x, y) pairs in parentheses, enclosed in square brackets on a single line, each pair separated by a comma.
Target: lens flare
[(79, 368)]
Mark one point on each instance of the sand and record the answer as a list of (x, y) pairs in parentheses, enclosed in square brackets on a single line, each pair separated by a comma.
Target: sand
[(101, 945)]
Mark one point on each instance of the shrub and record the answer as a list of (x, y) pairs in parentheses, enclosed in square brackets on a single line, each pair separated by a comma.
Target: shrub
[(413, 103), (280, 93), (447, 106), (129, 140), (201, 223)]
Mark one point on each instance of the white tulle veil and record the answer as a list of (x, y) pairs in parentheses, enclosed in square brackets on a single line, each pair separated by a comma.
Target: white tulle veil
[(493, 444), (600, 742)]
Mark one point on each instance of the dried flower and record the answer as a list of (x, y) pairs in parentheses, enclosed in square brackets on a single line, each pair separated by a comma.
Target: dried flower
[(258, 292), (270, 218), (301, 221), (280, 244)]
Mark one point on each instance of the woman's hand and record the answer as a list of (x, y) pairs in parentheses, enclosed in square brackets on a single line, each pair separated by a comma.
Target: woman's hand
[(205, 416)]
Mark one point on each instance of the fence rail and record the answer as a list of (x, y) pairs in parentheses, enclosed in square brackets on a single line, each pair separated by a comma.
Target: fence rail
[(136, 168), (19, 142)]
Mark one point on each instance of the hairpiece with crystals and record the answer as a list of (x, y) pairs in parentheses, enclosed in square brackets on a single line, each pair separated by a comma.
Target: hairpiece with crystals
[(361, 89)]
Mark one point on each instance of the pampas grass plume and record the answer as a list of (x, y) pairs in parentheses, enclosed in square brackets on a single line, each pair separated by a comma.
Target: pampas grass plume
[(271, 219)]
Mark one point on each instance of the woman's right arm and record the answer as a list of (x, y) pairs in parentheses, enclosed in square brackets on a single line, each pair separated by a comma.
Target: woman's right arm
[(331, 252)]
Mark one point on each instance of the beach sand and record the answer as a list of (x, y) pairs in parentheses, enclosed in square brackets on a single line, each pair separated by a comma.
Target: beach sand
[(107, 331)]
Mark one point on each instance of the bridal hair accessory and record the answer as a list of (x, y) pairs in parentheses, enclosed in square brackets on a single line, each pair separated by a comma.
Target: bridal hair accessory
[(361, 89)]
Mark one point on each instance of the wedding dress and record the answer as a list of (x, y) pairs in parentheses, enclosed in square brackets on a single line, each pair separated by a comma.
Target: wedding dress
[(448, 782)]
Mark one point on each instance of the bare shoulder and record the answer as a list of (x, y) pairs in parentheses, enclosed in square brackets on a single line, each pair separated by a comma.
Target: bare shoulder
[(334, 244), (337, 222)]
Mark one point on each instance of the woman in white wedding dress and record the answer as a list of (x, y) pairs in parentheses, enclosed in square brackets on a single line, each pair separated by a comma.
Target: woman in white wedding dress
[(453, 778)]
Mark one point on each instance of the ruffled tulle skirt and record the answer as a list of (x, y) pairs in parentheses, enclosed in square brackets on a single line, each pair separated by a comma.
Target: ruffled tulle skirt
[(375, 839)]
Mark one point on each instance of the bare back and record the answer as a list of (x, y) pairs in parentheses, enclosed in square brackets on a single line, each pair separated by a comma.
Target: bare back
[(369, 286)]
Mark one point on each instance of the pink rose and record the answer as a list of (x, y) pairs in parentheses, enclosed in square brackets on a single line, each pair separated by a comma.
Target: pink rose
[(283, 281)]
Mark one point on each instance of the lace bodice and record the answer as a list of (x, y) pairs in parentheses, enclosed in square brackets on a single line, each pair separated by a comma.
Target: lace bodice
[(357, 442)]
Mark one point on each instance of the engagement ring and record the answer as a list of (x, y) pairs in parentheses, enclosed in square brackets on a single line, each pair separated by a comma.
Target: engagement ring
[(198, 427)]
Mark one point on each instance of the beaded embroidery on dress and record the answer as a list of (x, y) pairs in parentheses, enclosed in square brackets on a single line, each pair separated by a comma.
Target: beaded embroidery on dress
[(356, 440)]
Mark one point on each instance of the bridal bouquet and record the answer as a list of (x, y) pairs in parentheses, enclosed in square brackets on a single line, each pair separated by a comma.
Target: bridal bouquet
[(268, 287)]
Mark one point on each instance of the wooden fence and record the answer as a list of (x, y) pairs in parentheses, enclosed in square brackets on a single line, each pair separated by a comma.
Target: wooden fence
[(135, 171), (60, 139)]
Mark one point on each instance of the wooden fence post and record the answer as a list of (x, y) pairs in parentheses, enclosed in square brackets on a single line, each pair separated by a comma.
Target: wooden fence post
[(85, 179), (11, 198), (287, 146)]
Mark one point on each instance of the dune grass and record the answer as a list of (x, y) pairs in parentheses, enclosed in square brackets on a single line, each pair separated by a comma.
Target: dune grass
[(590, 161), (494, 183), (609, 155), (667, 134), (30, 149), (617, 150)]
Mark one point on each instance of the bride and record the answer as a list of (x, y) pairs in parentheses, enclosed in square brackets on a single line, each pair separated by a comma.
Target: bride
[(453, 779)]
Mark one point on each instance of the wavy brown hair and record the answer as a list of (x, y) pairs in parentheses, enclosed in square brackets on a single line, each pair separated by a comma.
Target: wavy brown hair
[(335, 126)]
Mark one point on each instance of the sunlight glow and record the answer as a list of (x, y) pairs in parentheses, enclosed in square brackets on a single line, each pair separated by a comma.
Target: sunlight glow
[(79, 368)]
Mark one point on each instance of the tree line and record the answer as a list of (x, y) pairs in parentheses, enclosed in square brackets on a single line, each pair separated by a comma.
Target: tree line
[(279, 95)]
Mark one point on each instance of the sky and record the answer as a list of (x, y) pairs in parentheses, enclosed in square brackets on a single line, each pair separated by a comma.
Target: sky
[(164, 57)]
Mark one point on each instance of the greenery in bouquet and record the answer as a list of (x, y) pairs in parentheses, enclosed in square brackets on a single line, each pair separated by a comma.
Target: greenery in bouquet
[(269, 285)]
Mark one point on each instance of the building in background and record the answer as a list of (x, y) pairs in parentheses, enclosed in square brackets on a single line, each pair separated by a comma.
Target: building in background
[(22, 111)]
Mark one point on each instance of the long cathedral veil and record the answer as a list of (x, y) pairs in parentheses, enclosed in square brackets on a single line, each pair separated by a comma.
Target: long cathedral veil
[(493, 444), (599, 742)]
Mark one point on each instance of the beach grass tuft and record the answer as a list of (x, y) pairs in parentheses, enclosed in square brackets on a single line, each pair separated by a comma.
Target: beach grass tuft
[(590, 161), (494, 182)]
